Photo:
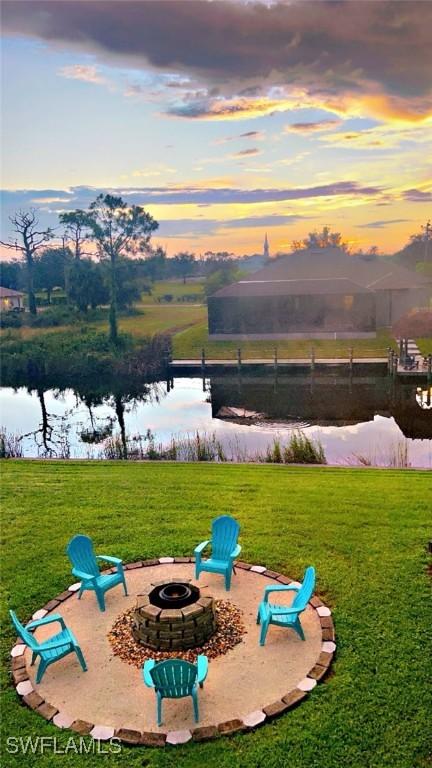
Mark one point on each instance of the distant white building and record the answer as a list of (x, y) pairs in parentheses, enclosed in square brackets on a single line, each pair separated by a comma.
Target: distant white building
[(266, 252)]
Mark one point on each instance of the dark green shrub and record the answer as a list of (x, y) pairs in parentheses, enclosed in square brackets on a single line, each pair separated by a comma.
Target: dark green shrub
[(52, 317), (11, 320)]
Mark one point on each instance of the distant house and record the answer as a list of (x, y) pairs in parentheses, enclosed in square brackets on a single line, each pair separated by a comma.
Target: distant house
[(10, 299), (322, 293)]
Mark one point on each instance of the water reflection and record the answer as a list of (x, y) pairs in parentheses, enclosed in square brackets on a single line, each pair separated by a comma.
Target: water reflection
[(324, 400), (352, 416)]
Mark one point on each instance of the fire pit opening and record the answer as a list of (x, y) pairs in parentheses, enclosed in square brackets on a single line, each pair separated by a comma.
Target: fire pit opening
[(174, 595), (173, 615)]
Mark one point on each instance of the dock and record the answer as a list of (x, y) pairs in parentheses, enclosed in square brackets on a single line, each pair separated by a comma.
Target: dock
[(360, 366), (297, 362)]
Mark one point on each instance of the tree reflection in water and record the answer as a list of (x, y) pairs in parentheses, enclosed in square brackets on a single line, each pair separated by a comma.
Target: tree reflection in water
[(51, 437)]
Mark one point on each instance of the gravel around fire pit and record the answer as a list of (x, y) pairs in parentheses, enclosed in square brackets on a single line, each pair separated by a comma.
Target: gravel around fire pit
[(229, 632)]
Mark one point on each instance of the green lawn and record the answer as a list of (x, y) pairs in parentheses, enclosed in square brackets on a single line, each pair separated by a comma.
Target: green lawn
[(155, 318), (364, 530), (425, 346), (161, 318), (176, 288), (188, 344)]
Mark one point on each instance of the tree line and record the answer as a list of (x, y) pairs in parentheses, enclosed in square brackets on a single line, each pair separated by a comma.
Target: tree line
[(103, 255)]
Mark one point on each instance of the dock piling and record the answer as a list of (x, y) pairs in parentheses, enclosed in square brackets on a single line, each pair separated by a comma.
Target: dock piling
[(389, 359), (239, 360), (312, 356)]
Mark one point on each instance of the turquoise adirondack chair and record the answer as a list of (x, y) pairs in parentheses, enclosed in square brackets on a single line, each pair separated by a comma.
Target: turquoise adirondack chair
[(283, 615), (224, 549), (85, 567), (51, 650), (175, 679)]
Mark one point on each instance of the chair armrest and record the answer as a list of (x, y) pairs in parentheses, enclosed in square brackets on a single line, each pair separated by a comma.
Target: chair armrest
[(148, 666), (46, 620), (109, 559), (235, 552), (201, 547), (279, 588), (82, 575), (202, 664)]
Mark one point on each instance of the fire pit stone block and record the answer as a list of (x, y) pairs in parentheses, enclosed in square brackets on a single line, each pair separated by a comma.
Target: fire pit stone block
[(165, 629)]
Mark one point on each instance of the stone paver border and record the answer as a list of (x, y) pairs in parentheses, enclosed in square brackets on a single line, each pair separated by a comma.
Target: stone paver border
[(131, 737)]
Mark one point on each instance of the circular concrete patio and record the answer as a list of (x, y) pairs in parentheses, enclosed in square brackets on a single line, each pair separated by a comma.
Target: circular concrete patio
[(244, 687)]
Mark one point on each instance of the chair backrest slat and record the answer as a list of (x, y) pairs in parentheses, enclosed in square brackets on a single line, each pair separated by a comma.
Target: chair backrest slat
[(305, 593), (174, 678), (225, 532), (25, 635), (81, 554)]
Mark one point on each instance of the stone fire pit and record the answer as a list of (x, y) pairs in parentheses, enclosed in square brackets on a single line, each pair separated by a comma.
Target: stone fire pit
[(172, 615)]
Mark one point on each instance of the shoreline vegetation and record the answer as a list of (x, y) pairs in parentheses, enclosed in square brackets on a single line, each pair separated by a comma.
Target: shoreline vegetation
[(298, 449), (83, 358)]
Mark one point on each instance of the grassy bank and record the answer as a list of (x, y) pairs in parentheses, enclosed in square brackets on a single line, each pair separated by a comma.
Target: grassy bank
[(152, 318), (188, 344), (364, 530)]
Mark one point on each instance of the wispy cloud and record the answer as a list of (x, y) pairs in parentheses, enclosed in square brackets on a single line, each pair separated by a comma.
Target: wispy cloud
[(298, 158), (380, 136), (148, 173), (198, 227), (84, 72), (255, 135), (417, 196), (234, 108), (313, 127), (382, 224), (193, 194), (247, 152)]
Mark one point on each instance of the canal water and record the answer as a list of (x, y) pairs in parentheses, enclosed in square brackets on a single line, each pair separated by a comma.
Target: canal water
[(358, 420)]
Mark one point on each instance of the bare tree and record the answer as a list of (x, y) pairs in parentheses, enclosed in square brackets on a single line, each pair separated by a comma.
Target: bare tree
[(26, 226)]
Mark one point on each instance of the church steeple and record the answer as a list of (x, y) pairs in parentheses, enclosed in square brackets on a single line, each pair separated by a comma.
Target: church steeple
[(266, 247)]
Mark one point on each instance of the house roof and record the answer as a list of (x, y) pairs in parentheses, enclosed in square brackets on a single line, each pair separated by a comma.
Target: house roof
[(9, 292), (374, 274), (286, 287)]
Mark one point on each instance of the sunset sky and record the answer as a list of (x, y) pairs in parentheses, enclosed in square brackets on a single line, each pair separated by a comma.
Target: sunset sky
[(224, 119)]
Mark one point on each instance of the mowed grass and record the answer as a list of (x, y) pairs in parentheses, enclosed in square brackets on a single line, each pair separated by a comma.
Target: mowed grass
[(153, 318), (189, 343), (176, 288), (364, 530), (161, 318), (425, 345)]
